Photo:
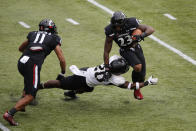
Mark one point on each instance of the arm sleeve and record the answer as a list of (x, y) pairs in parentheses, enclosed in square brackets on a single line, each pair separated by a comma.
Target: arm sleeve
[(58, 40), (108, 31), (117, 80), (29, 35)]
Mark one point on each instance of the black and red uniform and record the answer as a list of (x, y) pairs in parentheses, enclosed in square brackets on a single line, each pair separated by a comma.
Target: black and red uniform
[(40, 45), (133, 54)]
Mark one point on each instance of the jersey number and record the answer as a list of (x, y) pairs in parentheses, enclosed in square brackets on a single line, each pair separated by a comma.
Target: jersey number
[(37, 38), (99, 73), (125, 41)]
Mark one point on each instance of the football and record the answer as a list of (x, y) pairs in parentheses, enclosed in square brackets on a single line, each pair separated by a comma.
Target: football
[(136, 32)]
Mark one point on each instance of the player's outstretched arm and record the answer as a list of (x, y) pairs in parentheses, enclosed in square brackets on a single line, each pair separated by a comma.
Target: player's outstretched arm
[(137, 85), (61, 58), (23, 46)]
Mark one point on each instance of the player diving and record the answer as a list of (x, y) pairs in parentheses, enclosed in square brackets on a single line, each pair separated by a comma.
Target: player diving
[(85, 79)]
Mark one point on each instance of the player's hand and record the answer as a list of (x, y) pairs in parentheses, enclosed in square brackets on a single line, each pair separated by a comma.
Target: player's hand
[(152, 81), (139, 38), (60, 76), (107, 74)]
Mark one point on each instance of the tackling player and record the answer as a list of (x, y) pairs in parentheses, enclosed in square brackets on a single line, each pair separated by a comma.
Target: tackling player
[(120, 30), (85, 79), (35, 49)]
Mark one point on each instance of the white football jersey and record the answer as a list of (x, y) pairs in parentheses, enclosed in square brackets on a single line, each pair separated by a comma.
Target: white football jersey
[(95, 76)]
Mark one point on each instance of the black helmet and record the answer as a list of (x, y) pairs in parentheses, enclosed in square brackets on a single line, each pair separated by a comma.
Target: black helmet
[(119, 66), (48, 25), (118, 19)]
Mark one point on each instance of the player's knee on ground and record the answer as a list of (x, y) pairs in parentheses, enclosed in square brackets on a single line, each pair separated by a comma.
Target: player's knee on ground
[(138, 68)]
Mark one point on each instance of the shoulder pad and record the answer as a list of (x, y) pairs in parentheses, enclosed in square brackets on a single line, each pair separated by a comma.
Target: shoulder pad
[(132, 23), (58, 39), (109, 31)]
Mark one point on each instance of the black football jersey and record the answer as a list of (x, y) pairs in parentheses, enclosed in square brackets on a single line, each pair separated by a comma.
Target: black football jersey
[(123, 38), (40, 44)]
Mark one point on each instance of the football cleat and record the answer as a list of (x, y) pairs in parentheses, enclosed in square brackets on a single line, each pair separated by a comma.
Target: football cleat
[(10, 119), (70, 94), (138, 95)]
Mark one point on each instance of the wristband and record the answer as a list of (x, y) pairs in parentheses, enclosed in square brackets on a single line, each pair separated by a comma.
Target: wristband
[(137, 86), (144, 34), (129, 86), (146, 83)]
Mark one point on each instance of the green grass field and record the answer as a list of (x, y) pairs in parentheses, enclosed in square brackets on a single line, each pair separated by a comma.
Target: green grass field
[(168, 106)]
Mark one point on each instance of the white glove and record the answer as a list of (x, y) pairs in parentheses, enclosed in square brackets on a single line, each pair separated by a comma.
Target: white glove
[(152, 81)]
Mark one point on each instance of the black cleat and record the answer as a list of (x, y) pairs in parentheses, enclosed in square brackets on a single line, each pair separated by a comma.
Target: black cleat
[(70, 94), (40, 86)]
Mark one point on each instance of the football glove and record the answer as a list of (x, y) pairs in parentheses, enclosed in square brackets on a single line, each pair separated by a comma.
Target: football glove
[(107, 74), (139, 38), (152, 81), (60, 76)]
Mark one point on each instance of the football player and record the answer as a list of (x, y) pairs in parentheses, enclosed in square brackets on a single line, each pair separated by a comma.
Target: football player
[(35, 49), (85, 79), (120, 30)]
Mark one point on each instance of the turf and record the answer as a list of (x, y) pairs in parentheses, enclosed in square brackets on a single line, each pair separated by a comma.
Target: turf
[(168, 106)]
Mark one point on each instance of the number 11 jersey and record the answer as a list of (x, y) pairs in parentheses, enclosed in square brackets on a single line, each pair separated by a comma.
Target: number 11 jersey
[(40, 45)]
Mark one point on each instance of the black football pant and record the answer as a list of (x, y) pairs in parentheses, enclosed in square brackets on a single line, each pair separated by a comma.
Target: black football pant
[(135, 56), (31, 73), (77, 83)]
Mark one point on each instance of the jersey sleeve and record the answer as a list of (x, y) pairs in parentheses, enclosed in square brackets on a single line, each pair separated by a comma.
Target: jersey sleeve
[(133, 22), (58, 40), (108, 31), (117, 80), (29, 35)]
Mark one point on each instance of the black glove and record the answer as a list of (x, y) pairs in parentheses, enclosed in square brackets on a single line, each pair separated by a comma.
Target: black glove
[(60, 76), (107, 73), (139, 38)]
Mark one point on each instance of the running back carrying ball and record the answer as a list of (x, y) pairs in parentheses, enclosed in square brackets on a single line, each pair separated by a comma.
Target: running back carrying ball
[(136, 32)]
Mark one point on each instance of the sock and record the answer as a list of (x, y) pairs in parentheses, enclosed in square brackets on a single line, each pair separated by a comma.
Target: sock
[(12, 111)]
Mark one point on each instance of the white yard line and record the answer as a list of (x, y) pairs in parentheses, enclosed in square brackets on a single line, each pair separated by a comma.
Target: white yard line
[(184, 56), (101, 6), (72, 21), (24, 24), (169, 16), (3, 128)]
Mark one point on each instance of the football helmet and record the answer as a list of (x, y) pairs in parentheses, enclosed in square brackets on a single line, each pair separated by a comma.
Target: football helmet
[(48, 25), (118, 19), (118, 66)]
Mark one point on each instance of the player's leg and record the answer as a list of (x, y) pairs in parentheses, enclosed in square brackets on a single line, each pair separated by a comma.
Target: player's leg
[(31, 73), (133, 61), (140, 76), (80, 82)]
